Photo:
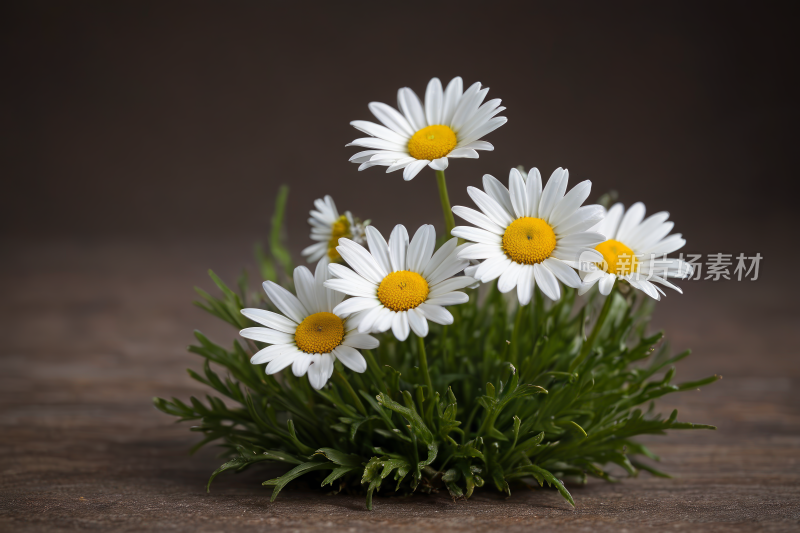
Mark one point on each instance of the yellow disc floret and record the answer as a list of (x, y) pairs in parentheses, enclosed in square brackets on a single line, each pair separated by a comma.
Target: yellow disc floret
[(403, 290), (339, 229), (319, 333), (529, 240), (432, 142), (618, 258)]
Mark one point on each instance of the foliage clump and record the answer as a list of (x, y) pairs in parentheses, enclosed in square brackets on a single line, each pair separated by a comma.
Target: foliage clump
[(520, 394)]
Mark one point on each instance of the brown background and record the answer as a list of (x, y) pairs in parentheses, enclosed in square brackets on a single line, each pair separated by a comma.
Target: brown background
[(143, 142)]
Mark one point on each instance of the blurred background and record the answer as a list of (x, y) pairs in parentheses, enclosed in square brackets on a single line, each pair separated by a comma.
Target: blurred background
[(144, 142)]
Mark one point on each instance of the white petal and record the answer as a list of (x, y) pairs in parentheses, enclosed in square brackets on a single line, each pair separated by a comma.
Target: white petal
[(519, 196), (571, 202), (436, 313), (306, 291), (421, 248), (271, 352), (484, 129), (492, 268), (452, 96), (398, 248), (450, 266), (508, 279), (581, 220), (401, 163), (449, 285), (361, 341), (363, 157), (587, 239), (378, 248), (465, 106), (351, 358), (451, 298), (285, 301), (381, 132), (280, 362), (441, 254), (606, 284), (547, 282), (400, 326), (608, 226), (391, 118), (316, 372), (368, 318), (491, 208), (478, 219), (270, 336), (480, 251), (476, 235), (479, 145), (533, 187), (565, 274), (417, 322), (629, 222), (498, 193), (463, 153), (301, 364), (409, 104), (412, 169), (378, 144), (361, 288), (361, 260), (648, 226), (355, 305), (552, 193), (271, 320), (434, 102), (525, 285), (439, 164), (671, 244)]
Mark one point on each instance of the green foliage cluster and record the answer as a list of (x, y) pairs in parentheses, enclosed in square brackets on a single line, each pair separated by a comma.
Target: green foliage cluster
[(519, 395)]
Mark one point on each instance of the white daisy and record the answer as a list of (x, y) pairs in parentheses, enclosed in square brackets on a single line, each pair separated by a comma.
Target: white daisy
[(450, 124), (327, 227), (310, 334), (400, 285), (636, 252), (528, 236)]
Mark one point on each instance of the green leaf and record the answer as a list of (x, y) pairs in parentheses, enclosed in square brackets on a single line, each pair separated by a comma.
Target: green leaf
[(294, 473)]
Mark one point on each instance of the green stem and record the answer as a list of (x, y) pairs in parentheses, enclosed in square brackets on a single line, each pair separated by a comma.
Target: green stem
[(423, 366), (589, 344), (515, 335), (449, 220), (341, 380), (376, 370)]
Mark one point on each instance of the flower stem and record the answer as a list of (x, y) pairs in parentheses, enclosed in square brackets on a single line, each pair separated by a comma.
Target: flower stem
[(423, 366), (587, 346), (346, 384), (515, 335), (449, 220)]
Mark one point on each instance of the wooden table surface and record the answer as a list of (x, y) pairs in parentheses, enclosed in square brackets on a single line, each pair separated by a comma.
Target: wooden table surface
[(92, 331)]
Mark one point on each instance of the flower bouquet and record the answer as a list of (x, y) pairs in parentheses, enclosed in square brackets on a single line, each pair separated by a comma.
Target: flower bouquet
[(420, 363)]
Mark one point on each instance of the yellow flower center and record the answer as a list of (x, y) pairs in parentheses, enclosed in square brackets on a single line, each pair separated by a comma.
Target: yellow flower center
[(339, 229), (432, 142), (529, 240), (319, 333), (403, 290), (618, 258)]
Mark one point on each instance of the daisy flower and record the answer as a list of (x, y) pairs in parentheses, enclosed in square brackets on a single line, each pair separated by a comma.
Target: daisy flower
[(450, 124), (528, 236), (630, 251), (310, 334), (400, 285), (327, 227)]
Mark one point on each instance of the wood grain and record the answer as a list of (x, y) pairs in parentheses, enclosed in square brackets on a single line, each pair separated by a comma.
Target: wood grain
[(92, 331)]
